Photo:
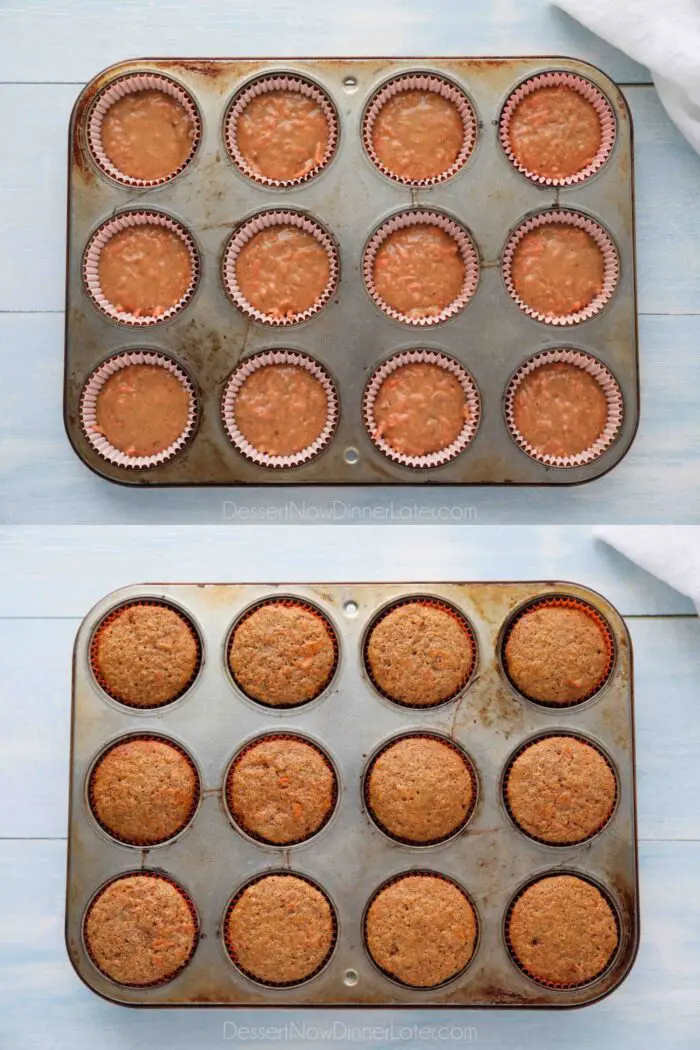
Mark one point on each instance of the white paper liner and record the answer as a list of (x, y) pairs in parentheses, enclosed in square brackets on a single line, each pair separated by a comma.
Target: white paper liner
[(473, 402), (584, 88), (88, 409), (611, 263), (262, 86), (263, 221), (609, 386), (421, 82), (423, 217), (91, 265), (264, 360), (115, 91)]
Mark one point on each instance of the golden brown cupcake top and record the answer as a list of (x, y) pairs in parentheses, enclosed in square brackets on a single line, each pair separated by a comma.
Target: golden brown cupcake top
[(418, 134), (419, 654), (560, 409), (280, 930), (562, 931), (561, 790), (142, 409), (283, 135), (420, 408), (281, 409), (282, 271), (147, 134), (281, 789), (145, 655), (554, 132), (282, 654), (143, 791), (421, 929), (419, 271), (557, 269), (145, 270), (419, 789), (140, 930), (557, 655)]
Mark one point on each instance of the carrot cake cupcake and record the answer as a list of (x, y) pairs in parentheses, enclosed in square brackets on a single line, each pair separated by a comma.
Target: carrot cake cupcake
[(562, 931), (281, 409), (143, 791), (281, 790), (420, 789), (280, 930), (419, 271), (554, 132), (145, 270), (420, 654), (560, 409), (417, 134), (557, 269), (421, 930), (560, 790), (420, 408), (282, 134), (282, 271), (147, 134), (282, 654), (142, 409), (145, 654), (140, 930)]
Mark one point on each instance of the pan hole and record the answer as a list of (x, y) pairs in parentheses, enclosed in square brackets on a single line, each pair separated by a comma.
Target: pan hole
[(350, 85), (350, 978), (351, 456), (350, 608)]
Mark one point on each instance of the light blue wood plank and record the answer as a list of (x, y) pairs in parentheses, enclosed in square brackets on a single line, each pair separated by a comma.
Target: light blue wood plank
[(43, 1005), (61, 40)]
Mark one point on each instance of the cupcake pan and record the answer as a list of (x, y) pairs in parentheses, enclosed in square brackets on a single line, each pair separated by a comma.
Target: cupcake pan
[(492, 337), (350, 857)]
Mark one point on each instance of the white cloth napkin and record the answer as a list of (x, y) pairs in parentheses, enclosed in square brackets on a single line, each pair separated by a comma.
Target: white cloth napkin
[(665, 37), (671, 552)]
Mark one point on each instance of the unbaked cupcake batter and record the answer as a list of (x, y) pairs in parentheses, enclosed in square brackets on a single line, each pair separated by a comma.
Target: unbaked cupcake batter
[(418, 134), (560, 409), (147, 134), (282, 271), (281, 409), (142, 409), (420, 408), (282, 135), (554, 132), (557, 269), (419, 270), (145, 270)]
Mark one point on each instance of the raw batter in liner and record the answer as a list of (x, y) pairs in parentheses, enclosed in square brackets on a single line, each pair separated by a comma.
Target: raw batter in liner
[(142, 409), (557, 269), (420, 408), (147, 135), (419, 271), (554, 132), (282, 135), (281, 409), (560, 409), (282, 271), (418, 134), (145, 270)]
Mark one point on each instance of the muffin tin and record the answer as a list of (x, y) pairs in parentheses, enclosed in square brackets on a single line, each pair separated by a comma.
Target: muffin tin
[(349, 857), (350, 337)]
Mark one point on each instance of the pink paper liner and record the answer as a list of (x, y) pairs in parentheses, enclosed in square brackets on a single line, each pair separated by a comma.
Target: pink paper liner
[(583, 87), (611, 263), (423, 217), (264, 360), (432, 357), (91, 265), (88, 409), (263, 85), (263, 221), (421, 82), (609, 386), (116, 90)]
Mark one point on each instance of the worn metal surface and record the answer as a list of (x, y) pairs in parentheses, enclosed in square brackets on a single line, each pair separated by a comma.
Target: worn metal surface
[(350, 857), (492, 337)]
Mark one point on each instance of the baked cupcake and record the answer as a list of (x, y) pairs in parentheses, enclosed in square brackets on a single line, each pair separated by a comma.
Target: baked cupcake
[(419, 271), (560, 790), (147, 135), (282, 409), (283, 271), (554, 132), (143, 791), (557, 269), (141, 930), (420, 408), (558, 652), (281, 790), (421, 930), (282, 653), (420, 653), (145, 654), (562, 931), (142, 409), (420, 789), (280, 930), (145, 270)]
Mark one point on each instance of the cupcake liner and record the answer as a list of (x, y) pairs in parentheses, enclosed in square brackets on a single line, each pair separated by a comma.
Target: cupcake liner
[(263, 221), (421, 82), (88, 409), (231, 950), (432, 603), (609, 386), (116, 90), (525, 746), (422, 735), (289, 603), (582, 87), (263, 360), (562, 601), (109, 618), (554, 985), (91, 265), (249, 747), (423, 217), (611, 263), (262, 86), (473, 401), (142, 844), (151, 875)]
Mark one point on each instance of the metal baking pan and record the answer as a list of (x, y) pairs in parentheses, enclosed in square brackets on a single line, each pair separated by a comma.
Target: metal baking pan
[(350, 857), (351, 336)]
